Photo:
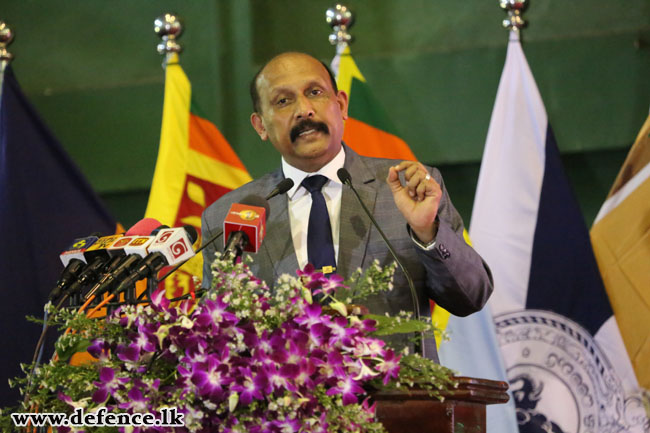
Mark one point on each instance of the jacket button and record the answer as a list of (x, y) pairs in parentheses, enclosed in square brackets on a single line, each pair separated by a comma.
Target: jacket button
[(444, 252)]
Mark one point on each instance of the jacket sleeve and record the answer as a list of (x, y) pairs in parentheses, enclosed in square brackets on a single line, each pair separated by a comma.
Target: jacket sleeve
[(457, 278)]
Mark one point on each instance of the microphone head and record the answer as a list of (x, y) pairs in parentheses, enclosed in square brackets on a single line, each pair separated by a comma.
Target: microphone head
[(155, 231), (143, 227), (344, 176), (285, 185), (191, 232), (256, 200)]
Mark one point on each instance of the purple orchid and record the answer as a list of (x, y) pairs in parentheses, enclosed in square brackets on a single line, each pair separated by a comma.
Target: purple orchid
[(348, 388), (136, 402), (287, 425), (328, 285), (100, 349), (130, 353), (211, 377), (251, 386), (214, 313), (281, 377), (389, 366), (341, 332), (159, 300), (107, 384)]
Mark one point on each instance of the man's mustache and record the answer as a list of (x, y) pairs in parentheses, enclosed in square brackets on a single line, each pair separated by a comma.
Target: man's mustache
[(306, 125)]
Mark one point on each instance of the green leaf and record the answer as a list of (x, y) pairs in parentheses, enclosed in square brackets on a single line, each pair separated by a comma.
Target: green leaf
[(339, 307), (306, 294), (79, 346), (233, 400), (390, 326)]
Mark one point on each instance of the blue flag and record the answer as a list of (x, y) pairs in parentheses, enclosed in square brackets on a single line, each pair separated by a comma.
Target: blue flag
[(45, 203), (564, 357)]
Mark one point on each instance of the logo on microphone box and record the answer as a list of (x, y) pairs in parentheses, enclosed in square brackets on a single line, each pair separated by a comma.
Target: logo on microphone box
[(122, 242), (105, 242), (178, 248), (164, 236), (247, 214), (80, 244)]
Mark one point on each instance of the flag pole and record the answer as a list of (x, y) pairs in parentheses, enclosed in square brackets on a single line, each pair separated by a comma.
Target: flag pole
[(169, 28), (340, 18), (6, 37)]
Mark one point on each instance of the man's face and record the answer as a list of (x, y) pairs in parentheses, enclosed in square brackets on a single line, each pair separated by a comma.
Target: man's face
[(300, 112)]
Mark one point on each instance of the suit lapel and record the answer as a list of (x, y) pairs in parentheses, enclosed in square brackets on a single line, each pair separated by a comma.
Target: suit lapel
[(354, 224), (278, 242)]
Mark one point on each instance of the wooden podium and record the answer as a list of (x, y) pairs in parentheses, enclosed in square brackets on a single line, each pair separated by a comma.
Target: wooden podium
[(462, 411)]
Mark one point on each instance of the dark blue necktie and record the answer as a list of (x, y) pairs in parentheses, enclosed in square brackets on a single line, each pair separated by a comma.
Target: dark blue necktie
[(320, 247)]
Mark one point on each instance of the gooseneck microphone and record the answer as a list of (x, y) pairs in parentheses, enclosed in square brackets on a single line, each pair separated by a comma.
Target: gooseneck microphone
[(68, 276), (285, 185), (346, 179)]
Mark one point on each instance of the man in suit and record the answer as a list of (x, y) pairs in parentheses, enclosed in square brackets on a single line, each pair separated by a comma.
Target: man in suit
[(301, 112)]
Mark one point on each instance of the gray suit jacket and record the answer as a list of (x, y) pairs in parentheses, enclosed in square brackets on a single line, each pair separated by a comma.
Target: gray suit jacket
[(452, 273)]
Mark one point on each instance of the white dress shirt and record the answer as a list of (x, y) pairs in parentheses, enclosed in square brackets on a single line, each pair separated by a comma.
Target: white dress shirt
[(300, 204)]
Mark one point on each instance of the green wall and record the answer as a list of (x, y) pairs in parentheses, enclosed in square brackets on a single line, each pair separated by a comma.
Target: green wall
[(92, 71)]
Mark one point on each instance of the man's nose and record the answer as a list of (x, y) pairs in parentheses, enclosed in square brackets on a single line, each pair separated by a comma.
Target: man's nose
[(305, 108)]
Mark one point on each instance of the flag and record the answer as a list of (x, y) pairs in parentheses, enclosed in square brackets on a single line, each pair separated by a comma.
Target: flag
[(621, 240), (472, 350), (369, 131), (195, 167), (562, 350), (45, 203)]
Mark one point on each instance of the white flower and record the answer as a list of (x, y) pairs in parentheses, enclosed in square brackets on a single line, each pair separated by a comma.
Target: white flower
[(186, 322)]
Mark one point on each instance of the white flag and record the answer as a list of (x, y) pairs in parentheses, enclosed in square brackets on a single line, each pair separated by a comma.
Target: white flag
[(564, 357)]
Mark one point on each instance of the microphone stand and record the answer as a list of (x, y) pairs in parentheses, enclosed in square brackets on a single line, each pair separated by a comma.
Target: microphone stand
[(345, 177)]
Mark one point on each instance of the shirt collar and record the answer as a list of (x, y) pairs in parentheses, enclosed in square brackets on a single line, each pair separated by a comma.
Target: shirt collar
[(328, 170)]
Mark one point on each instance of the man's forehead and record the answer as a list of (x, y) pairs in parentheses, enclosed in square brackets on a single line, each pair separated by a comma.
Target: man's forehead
[(293, 69)]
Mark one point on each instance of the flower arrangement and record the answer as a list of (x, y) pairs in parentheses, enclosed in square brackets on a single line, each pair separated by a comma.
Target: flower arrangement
[(242, 359)]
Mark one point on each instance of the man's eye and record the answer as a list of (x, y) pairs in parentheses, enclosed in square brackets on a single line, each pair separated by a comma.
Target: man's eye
[(315, 92), (281, 101)]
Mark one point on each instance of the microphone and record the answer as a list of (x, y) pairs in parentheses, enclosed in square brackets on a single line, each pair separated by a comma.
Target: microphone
[(281, 188), (345, 178), (76, 249), (144, 227), (127, 252), (169, 247), (245, 224), (96, 256), (285, 185), (70, 273), (74, 261)]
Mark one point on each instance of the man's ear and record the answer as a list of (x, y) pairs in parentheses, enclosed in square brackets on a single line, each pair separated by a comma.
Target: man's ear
[(342, 99), (258, 125)]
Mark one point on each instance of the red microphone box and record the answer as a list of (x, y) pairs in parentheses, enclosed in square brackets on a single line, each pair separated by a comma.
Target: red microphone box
[(248, 219)]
